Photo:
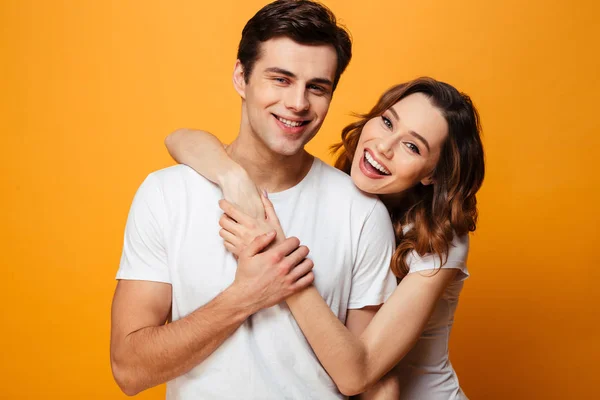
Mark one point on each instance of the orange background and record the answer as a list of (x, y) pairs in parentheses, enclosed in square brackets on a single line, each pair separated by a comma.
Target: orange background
[(89, 90)]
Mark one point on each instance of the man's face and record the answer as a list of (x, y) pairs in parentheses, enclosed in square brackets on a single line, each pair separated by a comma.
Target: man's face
[(288, 93)]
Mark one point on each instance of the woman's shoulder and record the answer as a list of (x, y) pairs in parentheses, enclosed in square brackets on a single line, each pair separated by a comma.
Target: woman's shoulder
[(458, 252)]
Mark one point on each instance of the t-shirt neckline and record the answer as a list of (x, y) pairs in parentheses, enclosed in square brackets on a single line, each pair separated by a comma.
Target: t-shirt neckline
[(287, 193)]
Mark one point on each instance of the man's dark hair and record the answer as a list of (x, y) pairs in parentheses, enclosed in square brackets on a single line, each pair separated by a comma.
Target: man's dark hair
[(303, 21)]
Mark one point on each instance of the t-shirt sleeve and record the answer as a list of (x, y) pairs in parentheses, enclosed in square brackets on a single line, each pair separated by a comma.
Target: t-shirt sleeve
[(144, 254), (457, 258), (372, 280)]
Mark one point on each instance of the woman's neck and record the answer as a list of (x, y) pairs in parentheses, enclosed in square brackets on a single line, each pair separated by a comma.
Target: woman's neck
[(393, 201)]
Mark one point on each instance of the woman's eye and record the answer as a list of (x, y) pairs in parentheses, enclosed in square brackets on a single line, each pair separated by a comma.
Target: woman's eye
[(387, 122), (413, 148)]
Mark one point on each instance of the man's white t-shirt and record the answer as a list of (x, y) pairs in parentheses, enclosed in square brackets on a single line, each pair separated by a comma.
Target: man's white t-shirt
[(172, 236)]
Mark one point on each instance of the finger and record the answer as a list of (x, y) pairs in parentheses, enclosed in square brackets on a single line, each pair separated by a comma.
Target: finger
[(296, 256), (234, 212), (231, 238), (230, 248), (269, 209), (259, 243), (230, 225), (304, 282), (233, 249), (287, 246), (301, 269)]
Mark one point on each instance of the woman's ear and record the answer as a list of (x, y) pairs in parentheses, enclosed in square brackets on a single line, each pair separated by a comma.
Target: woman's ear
[(239, 79), (428, 180)]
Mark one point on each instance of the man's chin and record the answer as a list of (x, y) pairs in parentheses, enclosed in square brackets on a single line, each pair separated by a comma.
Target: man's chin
[(287, 149), (287, 152)]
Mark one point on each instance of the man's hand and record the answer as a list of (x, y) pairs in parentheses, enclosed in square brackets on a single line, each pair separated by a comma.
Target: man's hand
[(238, 189), (240, 229), (269, 277)]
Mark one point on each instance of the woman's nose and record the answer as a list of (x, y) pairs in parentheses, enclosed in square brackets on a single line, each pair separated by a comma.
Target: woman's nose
[(385, 148)]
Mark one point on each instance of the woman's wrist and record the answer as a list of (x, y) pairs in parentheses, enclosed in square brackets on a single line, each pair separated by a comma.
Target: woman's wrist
[(232, 173)]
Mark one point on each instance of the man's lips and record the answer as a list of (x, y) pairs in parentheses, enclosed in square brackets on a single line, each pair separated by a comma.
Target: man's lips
[(292, 127), (291, 122)]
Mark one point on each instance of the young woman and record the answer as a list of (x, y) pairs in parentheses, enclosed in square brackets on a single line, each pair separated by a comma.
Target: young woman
[(419, 149)]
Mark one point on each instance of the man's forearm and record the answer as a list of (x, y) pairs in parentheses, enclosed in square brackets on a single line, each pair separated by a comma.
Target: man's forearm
[(155, 355)]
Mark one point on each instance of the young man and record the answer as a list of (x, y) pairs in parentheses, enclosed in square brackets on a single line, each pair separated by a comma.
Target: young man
[(230, 335)]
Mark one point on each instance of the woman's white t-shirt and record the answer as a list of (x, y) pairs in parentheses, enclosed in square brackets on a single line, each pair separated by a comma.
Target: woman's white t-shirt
[(426, 372)]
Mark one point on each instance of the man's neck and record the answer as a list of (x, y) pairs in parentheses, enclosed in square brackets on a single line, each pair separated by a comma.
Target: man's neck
[(270, 171)]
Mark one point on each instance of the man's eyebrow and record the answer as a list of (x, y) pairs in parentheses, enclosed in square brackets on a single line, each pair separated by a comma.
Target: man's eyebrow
[(322, 81), (413, 133), (275, 70)]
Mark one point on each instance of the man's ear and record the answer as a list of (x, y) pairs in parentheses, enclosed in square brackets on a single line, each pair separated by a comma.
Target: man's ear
[(239, 81)]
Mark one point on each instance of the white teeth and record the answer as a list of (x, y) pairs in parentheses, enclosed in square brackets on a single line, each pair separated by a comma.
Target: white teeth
[(291, 124), (375, 164)]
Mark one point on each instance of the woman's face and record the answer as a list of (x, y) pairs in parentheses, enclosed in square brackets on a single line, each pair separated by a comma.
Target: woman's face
[(400, 148)]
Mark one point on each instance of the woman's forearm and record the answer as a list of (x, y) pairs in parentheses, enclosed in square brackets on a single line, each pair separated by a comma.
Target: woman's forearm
[(203, 152), (356, 363), (387, 388), (341, 353)]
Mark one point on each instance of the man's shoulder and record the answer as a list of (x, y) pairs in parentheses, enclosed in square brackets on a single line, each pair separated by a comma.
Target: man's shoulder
[(339, 184), (179, 180), (176, 175), (179, 171)]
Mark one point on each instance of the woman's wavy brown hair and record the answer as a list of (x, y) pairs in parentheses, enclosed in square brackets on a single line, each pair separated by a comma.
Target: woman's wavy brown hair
[(447, 207)]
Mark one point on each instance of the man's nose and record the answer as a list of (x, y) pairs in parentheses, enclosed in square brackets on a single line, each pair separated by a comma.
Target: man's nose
[(297, 100)]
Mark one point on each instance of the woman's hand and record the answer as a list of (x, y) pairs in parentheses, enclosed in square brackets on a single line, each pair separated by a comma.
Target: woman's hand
[(240, 229), (239, 190)]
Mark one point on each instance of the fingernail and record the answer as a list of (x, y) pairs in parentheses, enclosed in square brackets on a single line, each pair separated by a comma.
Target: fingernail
[(264, 191), (270, 233)]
